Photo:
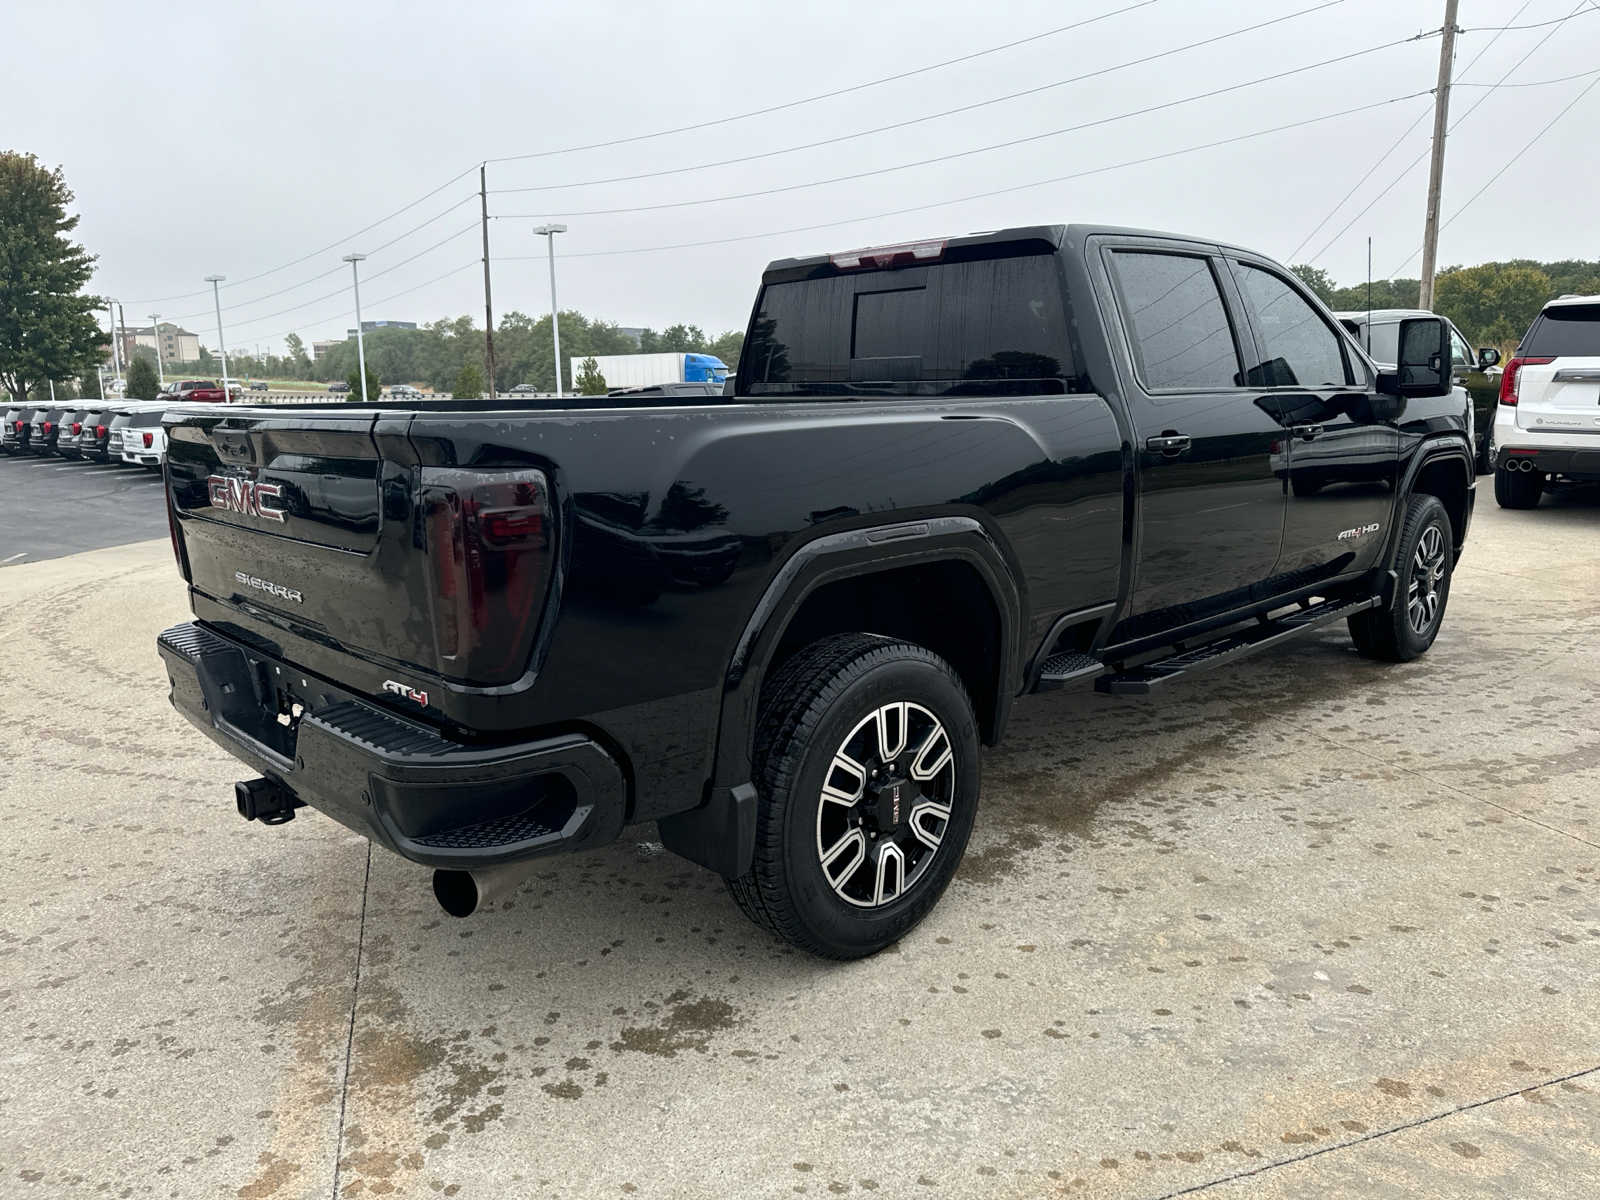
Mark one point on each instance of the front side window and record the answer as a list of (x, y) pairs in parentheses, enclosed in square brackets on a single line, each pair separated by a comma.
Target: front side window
[(1461, 357), (1298, 347), (1175, 319)]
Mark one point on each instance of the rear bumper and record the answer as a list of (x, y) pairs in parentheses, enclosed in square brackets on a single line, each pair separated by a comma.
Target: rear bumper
[(434, 801), (1581, 462)]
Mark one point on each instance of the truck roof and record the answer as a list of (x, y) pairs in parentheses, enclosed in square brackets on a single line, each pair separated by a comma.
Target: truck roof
[(973, 245)]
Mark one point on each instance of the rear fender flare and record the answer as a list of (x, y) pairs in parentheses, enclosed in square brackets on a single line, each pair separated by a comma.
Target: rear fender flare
[(720, 834)]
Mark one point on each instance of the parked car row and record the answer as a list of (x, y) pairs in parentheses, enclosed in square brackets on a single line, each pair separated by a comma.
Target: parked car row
[(121, 431)]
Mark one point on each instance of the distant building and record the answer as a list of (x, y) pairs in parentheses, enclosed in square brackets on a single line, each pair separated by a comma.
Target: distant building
[(319, 350), (369, 326), (176, 343)]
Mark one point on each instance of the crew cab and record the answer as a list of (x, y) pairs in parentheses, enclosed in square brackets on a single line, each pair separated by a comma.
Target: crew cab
[(1548, 424), (780, 623)]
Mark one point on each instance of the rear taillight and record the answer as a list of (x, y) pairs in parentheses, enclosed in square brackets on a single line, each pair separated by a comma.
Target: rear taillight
[(77, 428), (149, 440), (1508, 379), (100, 431), (490, 549), (47, 427)]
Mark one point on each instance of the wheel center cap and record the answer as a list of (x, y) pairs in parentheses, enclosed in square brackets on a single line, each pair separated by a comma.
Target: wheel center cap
[(889, 804)]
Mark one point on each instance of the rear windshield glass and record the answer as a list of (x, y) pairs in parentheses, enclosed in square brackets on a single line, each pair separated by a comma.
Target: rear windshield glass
[(991, 327), (143, 419), (1565, 331)]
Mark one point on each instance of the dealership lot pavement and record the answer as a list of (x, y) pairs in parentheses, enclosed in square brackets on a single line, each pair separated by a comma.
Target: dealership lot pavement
[(50, 507), (1311, 926)]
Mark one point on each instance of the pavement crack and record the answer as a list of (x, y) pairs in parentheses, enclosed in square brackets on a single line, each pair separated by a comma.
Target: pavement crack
[(350, 1034), (1376, 1134), (1462, 792)]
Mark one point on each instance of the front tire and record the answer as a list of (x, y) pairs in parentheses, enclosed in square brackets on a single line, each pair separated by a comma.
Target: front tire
[(1518, 489), (866, 761), (1423, 564)]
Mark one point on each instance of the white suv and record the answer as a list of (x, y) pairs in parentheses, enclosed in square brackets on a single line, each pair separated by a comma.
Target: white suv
[(1548, 421)]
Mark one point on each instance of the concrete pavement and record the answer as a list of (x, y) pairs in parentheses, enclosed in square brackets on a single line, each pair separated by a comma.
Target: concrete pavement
[(1312, 926)]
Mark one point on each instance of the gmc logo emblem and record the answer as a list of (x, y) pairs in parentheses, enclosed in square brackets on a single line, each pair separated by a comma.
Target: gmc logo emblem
[(232, 494)]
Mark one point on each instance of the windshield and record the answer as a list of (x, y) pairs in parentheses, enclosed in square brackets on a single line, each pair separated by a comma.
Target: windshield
[(1565, 331)]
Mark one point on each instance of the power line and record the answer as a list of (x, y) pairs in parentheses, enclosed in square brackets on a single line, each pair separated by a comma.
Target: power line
[(1538, 25), (334, 245), (1454, 125), (374, 275), (1506, 166), (1384, 157), (750, 237), (238, 304), (949, 112), (844, 91), (1533, 82), (938, 158)]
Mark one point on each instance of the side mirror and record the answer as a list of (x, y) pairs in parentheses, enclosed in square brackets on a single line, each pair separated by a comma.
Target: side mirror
[(1488, 356), (1423, 367)]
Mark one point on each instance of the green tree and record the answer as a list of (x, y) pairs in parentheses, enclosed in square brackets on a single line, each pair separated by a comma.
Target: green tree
[(469, 381), (590, 381), (1493, 303), (47, 326), (374, 388), (1318, 280), (141, 382), (681, 339), (727, 347), (298, 364)]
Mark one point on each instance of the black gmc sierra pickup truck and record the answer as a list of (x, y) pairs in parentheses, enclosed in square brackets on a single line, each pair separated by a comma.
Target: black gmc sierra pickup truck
[(780, 622)]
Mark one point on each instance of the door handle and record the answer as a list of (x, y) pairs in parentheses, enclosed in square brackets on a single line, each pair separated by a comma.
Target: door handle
[(1307, 432), (1170, 444)]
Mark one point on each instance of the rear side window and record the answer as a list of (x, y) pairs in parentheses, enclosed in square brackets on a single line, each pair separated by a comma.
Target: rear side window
[(1174, 316), (1564, 331), (1299, 348), (989, 327)]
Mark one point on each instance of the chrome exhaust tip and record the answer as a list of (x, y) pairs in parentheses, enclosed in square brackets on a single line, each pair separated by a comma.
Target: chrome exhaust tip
[(462, 893)]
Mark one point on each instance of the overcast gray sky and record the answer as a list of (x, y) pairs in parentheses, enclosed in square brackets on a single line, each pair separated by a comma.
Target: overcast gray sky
[(235, 138)]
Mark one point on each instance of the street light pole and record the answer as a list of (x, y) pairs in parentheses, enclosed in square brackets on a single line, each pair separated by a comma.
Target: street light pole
[(361, 346), (550, 231), (222, 350), (155, 328), (116, 353)]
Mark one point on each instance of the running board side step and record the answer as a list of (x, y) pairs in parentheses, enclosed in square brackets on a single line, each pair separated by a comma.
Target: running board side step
[(1140, 680), (1061, 669)]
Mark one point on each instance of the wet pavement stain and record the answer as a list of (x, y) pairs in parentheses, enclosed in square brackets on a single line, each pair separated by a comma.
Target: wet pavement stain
[(687, 1025)]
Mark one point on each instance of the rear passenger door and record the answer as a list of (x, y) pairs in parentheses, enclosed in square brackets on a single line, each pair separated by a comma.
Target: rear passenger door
[(1343, 460), (1211, 495)]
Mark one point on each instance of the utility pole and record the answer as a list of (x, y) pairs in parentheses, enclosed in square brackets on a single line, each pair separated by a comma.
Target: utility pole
[(1441, 124), (155, 328), (488, 309)]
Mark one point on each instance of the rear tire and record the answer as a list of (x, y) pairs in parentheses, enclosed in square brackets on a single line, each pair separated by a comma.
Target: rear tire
[(1518, 489), (1423, 563), (866, 761)]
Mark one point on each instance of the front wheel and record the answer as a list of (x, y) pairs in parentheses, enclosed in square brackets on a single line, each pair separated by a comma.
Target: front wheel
[(1423, 564), (866, 762)]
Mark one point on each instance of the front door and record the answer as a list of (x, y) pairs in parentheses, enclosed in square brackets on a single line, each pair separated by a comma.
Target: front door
[(1344, 456), (1211, 501)]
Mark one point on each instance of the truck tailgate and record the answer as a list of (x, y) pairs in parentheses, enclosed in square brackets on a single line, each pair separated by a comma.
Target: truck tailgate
[(281, 521)]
